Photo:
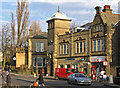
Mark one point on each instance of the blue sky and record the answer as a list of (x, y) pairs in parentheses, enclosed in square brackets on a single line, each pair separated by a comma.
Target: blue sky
[(79, 11)]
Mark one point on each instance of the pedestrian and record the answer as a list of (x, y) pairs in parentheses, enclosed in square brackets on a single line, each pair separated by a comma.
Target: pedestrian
[(9, 69), (8, 79), (3, 77), (104, 77), (40, 80)]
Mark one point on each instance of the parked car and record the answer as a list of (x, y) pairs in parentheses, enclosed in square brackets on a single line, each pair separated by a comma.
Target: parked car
[(79, 78), (63, 72)]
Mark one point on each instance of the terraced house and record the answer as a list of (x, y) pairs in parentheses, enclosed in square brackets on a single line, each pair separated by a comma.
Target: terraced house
[(90, 48)]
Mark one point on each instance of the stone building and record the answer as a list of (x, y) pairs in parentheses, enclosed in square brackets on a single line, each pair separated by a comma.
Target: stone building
[(34, 54), (37, 52), (88, 48), (102, 43)]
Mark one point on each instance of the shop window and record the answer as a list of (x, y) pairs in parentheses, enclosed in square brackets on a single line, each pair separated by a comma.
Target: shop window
[(61, 66), (85, 71), (68, 65)]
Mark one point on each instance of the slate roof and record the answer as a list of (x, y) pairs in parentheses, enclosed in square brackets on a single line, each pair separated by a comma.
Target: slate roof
[(39, 37), (110, 18)]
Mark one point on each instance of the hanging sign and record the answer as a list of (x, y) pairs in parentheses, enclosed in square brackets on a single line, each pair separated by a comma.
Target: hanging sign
[(105, 63)]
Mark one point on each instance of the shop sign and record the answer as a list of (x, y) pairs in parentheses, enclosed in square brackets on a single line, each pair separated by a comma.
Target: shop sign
[(70, 58), (105, 63), (97, 58)]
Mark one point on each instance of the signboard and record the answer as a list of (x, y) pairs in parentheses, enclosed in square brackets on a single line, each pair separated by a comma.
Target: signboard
[(70, 58), (104, 63), (97, 58)]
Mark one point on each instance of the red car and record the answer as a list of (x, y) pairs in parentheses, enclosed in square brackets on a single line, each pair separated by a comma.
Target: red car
[(63, 72)]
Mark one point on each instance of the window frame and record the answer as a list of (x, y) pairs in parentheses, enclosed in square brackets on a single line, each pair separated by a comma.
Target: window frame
[(98, 45), (64, 48), (81, 47), (94, 43), (102, 43), (67, 48), (77, 47)]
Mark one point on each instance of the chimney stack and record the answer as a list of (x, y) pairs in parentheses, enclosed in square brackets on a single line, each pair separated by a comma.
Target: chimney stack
[(98, 9), (30, 32), (107, 9)]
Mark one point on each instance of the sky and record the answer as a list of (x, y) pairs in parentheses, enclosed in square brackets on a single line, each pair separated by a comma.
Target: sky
[(80, 11)]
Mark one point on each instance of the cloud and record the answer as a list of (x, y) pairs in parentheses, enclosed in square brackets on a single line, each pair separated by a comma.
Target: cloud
[(4, 21), (81, 12)]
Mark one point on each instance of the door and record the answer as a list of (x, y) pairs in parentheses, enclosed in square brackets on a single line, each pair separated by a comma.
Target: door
[(93, 72)]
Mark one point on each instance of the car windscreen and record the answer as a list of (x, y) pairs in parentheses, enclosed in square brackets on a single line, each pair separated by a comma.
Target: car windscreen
[(80, 75)]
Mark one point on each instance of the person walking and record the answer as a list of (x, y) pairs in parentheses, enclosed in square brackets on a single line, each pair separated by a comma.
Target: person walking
[(8, 79), (40, 80)]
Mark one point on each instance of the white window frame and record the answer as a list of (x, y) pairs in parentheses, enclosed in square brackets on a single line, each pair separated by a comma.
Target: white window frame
[(39, 47)]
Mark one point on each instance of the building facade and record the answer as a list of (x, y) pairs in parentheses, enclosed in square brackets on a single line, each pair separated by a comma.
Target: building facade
[(37, 53), (89, 48)]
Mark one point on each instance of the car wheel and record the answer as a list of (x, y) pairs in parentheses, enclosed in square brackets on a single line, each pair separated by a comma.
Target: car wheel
[(75, 82), (68, 81), (56, 77)]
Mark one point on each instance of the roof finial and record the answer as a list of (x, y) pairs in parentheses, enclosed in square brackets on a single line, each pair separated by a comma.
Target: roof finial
[(58, 9)]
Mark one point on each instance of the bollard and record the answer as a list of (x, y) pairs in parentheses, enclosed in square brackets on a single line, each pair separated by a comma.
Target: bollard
[(110, 79)]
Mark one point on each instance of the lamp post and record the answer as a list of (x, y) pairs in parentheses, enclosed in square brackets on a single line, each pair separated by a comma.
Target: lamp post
[(14, 59)]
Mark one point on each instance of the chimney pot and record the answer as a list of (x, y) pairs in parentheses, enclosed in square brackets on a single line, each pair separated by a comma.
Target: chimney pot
[(107, 7)]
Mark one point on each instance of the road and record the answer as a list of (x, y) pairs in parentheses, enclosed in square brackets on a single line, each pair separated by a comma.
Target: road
[(52, 83), (24, 80)]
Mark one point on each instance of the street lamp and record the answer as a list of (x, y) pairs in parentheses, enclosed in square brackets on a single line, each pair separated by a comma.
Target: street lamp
[(14, 59)]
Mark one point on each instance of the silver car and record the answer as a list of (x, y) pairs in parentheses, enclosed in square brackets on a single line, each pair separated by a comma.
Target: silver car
[(78, 78)]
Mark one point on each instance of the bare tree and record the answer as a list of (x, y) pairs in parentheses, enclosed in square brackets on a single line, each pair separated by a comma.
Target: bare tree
[(22, 19), (6, 41), (73, 25), (13, 29), (36, 29)]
